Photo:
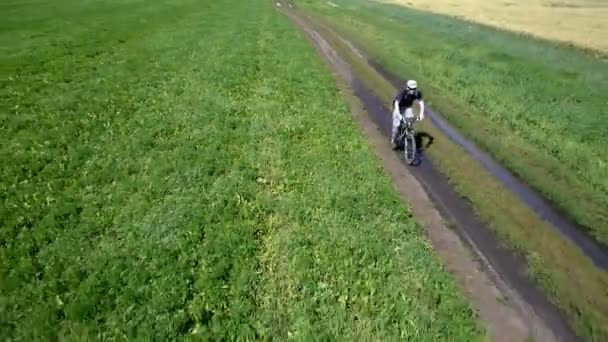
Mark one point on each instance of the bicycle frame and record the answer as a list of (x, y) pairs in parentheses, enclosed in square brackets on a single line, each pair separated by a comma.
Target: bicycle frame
[(406, 127)]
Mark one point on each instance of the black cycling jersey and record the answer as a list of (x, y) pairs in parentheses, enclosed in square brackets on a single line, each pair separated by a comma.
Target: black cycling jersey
[(406, 99)]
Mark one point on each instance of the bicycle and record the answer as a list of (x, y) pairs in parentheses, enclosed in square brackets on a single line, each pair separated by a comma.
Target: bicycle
[(408, 139)]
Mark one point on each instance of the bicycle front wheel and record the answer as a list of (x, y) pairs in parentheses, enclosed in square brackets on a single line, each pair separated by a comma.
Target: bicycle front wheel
[(409, 149)]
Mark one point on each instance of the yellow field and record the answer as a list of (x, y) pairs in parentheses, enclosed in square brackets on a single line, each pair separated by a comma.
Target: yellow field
[(580, 22)]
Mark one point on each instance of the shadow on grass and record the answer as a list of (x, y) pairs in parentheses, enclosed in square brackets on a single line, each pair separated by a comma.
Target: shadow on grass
[(423, 140)]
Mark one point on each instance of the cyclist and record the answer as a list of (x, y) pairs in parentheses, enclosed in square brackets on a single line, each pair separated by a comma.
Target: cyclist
[(402, 105)]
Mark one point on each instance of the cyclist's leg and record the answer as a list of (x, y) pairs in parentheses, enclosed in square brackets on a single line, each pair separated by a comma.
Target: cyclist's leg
[(395, 129)]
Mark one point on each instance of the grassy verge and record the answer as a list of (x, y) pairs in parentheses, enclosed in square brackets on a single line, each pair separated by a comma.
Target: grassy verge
[(569, 278), (159, 180), (544, 118)]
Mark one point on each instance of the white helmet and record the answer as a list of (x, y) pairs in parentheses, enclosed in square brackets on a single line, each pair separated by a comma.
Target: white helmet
[(412, 85)]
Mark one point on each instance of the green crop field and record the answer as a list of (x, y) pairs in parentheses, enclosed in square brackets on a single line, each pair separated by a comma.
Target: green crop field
[(188, 168), (538, 107)]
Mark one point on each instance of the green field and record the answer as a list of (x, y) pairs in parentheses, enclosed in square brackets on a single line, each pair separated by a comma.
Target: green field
[(540, 108), (188, 168)]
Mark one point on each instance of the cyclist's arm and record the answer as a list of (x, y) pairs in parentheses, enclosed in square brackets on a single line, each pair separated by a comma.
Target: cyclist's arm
[(421, 103), (396, 106)]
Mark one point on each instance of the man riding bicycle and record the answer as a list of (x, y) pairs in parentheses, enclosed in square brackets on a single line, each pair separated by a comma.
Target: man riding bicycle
[(402, 106)]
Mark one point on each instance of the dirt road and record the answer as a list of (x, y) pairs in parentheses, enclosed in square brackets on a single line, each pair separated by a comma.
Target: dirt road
[(496, 275)]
